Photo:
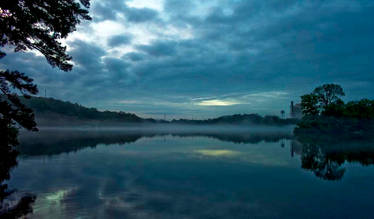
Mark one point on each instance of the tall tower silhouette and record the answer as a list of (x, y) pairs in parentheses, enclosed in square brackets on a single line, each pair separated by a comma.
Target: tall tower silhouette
[(292, 110)]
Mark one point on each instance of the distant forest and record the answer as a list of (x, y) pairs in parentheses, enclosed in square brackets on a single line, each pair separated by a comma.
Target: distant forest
[(49, 108), (53, 112)]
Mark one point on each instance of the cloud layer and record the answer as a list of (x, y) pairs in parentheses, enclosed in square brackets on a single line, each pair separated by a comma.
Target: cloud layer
[(205, 59)]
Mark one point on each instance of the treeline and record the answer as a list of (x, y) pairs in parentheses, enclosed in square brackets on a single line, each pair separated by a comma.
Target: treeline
[(240, 119), (325, 101), (325, 111), (49, 107), (52, 112), (362, 109)]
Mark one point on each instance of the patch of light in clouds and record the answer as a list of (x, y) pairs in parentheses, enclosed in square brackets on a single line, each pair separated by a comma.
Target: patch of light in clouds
[(98, 33), (152, 4), (217, 153), (217, 103), (107, 28), (240, 98), (173, 32), (142, 33)]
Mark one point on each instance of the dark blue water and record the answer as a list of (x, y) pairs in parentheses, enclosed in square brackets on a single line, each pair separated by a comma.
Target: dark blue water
[(213, 175)]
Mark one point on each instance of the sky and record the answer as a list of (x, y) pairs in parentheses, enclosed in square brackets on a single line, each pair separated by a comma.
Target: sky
[(201, 59)]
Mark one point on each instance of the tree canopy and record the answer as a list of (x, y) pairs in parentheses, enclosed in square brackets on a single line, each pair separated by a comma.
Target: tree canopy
[(321, 99), (34, 25), (328, 94), (40, 25), (12, 110), (325, 101), (325, 112)]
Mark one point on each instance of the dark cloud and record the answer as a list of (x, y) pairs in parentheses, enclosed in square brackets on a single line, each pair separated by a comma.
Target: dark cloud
[(134, 56), (109, 10), (119, 40), (241, 47), (159, 48), (86, 55), (117, 69)]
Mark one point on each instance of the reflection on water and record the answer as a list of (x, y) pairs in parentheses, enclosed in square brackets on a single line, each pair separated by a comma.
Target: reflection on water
[(51, 142), (112, 174), (13, 204), (325, 156)]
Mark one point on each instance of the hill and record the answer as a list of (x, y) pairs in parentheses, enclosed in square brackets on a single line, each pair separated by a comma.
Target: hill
[(240, 119), (53, 112)]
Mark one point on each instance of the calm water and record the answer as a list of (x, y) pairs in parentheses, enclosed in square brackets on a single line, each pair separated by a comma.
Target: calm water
[(252, 174)]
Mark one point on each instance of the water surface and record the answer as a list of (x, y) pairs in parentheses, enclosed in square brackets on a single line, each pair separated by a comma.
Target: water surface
[(258, 174)]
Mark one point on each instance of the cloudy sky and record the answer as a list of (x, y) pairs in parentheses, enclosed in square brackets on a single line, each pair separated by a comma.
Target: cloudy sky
[(200, 59)]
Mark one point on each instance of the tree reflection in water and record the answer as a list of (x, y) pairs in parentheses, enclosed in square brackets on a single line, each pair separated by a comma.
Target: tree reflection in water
[(54, 142), (325, 155), (12, 203), (313, 158)]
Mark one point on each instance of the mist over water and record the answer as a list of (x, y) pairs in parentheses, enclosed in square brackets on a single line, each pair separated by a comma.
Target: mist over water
[(174, 128), (177, 171), (52, 140)]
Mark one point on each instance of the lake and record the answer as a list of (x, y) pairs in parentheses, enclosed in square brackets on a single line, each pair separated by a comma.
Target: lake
[(194, 174)]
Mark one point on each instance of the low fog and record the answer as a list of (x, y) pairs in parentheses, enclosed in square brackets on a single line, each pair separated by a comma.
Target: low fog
[(177, 128)]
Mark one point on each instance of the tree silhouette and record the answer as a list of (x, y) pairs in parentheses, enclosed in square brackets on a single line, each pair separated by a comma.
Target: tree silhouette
[(34, 25), (39, 25), (309, 105), (322, 98), (29, 25), (328, 94), (324, 112), (12, 111), (328, 99)]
